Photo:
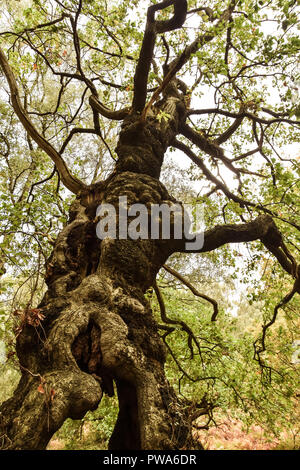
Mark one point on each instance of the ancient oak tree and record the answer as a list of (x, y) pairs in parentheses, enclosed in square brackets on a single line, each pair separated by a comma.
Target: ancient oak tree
[(88, 69)]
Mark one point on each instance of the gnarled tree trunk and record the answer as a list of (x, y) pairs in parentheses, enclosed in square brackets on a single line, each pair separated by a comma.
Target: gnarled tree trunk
[(98, 327)]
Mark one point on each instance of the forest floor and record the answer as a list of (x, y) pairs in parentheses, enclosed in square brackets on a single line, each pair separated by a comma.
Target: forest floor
[(232, 435), (229, 435)]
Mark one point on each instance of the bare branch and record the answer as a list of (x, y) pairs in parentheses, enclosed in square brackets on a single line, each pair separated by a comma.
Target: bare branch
[(194, 290), (104, 111), (260, 343), (182, 324), (232, 129), (204, 144), (146, 53), (76, 42), (76, 130), (48, 178), (181, 60), (39, 26), (222, 186), (253, 117), (180, 10), (70, 181), (262, 228)]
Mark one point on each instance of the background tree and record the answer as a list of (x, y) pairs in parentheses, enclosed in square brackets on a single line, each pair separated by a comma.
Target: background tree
[(217, 83)]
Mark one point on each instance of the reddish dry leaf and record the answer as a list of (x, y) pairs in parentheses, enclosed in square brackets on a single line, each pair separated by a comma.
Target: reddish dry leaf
[(41, 389)]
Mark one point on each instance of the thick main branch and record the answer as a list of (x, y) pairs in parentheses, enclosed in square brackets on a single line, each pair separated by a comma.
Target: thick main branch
[(262, 228), (146, 54)]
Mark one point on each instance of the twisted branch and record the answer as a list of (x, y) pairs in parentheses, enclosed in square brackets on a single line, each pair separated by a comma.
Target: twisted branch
[(194, 290), (146, 53), (70, 181)]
